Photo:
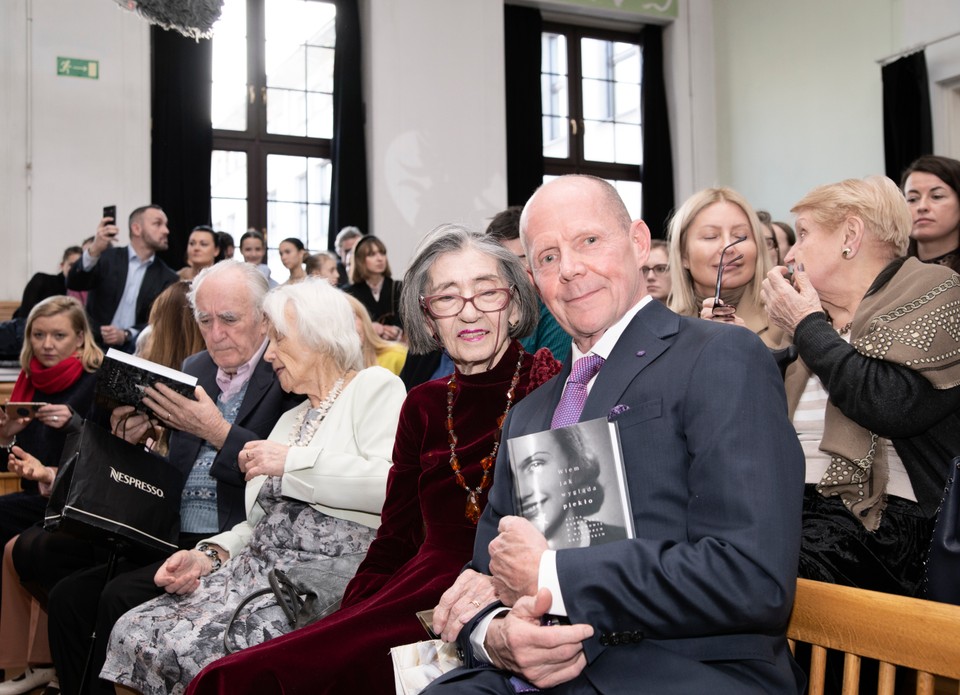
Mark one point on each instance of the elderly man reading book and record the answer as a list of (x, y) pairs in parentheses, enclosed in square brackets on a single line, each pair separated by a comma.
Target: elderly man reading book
[(238, 399)]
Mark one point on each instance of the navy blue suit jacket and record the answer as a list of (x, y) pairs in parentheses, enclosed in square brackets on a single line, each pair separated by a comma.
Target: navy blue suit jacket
[(263, 404), (106, 280), (699, 601)]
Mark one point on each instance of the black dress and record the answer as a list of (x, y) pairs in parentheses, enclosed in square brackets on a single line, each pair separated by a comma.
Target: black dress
[(387, 309)]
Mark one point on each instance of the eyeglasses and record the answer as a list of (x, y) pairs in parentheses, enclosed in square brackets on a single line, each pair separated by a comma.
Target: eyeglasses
[(659, 269), (719, 308), (442, 306)]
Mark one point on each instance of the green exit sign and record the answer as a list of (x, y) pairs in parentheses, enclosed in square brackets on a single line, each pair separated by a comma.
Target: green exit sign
[(78, 67)]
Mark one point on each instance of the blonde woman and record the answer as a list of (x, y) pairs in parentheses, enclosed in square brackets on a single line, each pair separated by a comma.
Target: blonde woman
[(717, 229), (389, 354)]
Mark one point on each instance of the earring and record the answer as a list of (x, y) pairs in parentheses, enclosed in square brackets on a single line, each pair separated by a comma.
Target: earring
[(846, 252)]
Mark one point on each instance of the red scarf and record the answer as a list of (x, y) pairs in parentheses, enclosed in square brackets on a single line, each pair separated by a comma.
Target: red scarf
[(53, 379)]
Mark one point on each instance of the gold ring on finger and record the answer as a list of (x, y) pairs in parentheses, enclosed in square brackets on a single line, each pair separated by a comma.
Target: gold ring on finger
[(475, 602)]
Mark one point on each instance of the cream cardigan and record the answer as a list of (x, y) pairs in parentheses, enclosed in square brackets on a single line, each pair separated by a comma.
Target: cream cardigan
[(343, 473)]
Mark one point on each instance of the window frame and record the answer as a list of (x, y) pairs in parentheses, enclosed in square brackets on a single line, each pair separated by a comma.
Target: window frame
[(575, 162), (255, 141)]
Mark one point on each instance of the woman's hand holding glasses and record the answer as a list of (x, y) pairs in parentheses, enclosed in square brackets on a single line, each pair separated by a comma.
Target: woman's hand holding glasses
[(715, 308)]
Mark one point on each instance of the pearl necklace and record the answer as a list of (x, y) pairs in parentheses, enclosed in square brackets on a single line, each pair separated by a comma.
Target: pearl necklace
[(472, 511), (304, 428)]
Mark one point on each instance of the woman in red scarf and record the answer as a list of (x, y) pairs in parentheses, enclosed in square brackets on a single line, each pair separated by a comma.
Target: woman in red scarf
[(58, 361)]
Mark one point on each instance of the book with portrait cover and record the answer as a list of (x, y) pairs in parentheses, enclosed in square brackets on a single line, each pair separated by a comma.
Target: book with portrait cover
[(122, 378), (571, 484)]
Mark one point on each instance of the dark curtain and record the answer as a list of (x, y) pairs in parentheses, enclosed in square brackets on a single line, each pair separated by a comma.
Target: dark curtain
[(348, 188), (522, 28), (907, 124), (657, 196), (182, 137)]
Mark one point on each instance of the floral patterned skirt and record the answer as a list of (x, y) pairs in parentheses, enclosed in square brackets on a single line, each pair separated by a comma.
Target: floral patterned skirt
[(161, 645)]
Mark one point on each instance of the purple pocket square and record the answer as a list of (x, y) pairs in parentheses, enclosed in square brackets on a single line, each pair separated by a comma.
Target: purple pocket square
[(616, 411)]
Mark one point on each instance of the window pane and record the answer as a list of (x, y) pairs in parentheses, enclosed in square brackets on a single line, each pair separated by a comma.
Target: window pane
[(627, 97), (319, 115), (300, 36), (556, 142), (597, 99), (286, 112), (229, 105), (626, 62), (229, 216), (596, 58), (629, 148), (555, 106), (630, 192), (298, 200), (228, 191), (553, 54), (553, 95), (599, 144)]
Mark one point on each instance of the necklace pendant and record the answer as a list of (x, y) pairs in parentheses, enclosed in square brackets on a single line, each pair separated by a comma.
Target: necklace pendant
[(473, 506)]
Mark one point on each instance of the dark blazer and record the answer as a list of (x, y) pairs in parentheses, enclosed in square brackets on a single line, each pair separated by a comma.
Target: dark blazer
[(263, 404), (105, 282), (699, 601), (41, 286)]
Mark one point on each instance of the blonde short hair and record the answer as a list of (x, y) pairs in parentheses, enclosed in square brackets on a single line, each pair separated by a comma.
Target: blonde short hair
[(875, 200), (682, 298)]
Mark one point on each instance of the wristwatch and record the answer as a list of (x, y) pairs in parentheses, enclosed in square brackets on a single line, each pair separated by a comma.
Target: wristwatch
[(212, 554), (126, 334)]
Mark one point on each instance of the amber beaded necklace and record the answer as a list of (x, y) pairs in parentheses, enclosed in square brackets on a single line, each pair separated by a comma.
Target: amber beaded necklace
[(486, 463)]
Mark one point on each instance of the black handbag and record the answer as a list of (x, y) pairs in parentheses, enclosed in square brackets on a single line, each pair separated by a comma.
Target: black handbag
[(111, 490), (942, 578), (305, 592)]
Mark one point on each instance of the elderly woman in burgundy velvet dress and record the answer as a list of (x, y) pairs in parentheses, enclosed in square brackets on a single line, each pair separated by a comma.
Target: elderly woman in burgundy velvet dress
[(473, 297)]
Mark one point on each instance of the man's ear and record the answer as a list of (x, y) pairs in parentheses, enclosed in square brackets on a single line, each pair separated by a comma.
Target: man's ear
[(640, 237), (532, 282)]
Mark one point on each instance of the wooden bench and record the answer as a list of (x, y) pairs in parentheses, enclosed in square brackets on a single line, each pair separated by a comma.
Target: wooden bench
[(9, 482), (7, 308), (894, 630)]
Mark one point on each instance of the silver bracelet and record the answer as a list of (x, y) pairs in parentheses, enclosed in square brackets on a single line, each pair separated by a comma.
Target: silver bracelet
[(212, 554), (9, 447)]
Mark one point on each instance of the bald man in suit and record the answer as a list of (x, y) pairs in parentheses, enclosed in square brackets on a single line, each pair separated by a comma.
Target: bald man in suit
[(699, 600)]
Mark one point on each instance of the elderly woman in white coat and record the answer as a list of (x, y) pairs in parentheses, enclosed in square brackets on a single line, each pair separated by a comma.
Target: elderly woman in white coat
[(315, 489)]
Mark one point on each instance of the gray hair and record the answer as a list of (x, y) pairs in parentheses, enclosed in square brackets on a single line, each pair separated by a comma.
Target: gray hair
[(323, 319), (346, 234), (256, 283), (450, 238)]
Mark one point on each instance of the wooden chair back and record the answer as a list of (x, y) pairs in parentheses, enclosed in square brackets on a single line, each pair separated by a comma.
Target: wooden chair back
[(7, 307), (894, 630)]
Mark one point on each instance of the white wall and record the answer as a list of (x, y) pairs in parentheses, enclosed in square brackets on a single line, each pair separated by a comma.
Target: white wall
[(691, 97), (69, 145), (799, 100), (435, 117)]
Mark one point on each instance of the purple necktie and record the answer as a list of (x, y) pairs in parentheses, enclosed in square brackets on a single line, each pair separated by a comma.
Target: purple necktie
[(575, 394)]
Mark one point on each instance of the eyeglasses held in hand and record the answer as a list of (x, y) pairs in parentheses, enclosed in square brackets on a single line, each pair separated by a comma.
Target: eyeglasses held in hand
[(659, 269), (442, 306), (717, 302)]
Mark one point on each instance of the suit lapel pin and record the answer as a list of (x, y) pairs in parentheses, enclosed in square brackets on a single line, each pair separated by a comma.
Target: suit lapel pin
[(641, 353)]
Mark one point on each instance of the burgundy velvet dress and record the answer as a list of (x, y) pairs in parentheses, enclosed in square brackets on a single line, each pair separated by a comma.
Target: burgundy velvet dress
[(423, 543)]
